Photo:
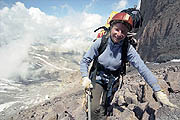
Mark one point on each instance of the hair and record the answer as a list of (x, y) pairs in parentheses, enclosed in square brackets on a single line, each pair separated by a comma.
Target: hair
[(120, 21)]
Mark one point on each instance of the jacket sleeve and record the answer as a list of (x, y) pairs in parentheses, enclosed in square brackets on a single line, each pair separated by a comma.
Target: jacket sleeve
[(89, 57), (134, 58)]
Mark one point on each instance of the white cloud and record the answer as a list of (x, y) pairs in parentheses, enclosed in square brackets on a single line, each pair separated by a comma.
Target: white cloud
[(65, 8), (21, 27), (120, 5), (139, 4), (89, 5)]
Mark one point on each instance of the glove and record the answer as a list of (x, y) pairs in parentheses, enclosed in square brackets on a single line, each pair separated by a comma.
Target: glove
[(86, 83), (162, 98)]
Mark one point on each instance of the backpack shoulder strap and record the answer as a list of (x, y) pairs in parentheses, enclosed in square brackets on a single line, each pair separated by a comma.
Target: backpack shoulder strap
[(103, 45), (125, 47), (93, 70)]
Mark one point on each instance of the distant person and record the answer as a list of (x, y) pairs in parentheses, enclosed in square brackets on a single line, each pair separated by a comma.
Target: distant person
[(109, 67)]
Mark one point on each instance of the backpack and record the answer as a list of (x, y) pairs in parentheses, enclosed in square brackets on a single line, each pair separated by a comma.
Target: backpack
[(136, 16), (129, 40)]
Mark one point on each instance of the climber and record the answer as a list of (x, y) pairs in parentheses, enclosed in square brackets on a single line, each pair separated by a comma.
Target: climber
[(108, 67)]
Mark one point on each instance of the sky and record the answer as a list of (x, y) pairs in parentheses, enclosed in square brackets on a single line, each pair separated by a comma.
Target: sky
[(70, 23), (61, 8)]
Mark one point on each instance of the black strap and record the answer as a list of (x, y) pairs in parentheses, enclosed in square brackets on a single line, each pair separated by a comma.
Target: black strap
[(125, 47), (93, 70), (103, 44), (102, 27)]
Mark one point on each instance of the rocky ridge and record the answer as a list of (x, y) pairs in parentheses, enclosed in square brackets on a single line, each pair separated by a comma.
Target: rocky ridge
[(133, 102)]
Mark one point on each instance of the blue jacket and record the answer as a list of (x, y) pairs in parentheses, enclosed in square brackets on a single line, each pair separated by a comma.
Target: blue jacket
[(111, 59)]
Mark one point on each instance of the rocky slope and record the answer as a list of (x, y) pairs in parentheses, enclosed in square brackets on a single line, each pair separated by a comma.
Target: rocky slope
[(47, 76), (160, 35), (159, 41), (133, 102)]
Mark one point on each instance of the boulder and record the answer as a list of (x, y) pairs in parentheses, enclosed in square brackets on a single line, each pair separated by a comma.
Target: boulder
[(173, 79)]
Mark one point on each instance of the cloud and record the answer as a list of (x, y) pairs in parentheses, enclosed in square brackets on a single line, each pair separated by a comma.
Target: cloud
[(139, 4), (22, 27), (66, 9), (120, 5), (88, 6), (79, 28)]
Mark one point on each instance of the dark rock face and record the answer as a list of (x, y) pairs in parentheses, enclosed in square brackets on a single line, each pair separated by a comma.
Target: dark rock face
[(159, 37)]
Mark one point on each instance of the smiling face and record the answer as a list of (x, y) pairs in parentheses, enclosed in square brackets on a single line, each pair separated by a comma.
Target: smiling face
[(118, 32)]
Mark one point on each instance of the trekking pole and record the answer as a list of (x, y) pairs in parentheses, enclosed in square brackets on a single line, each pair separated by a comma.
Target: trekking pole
[(107, 98), (89, 103), (89, 107)]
